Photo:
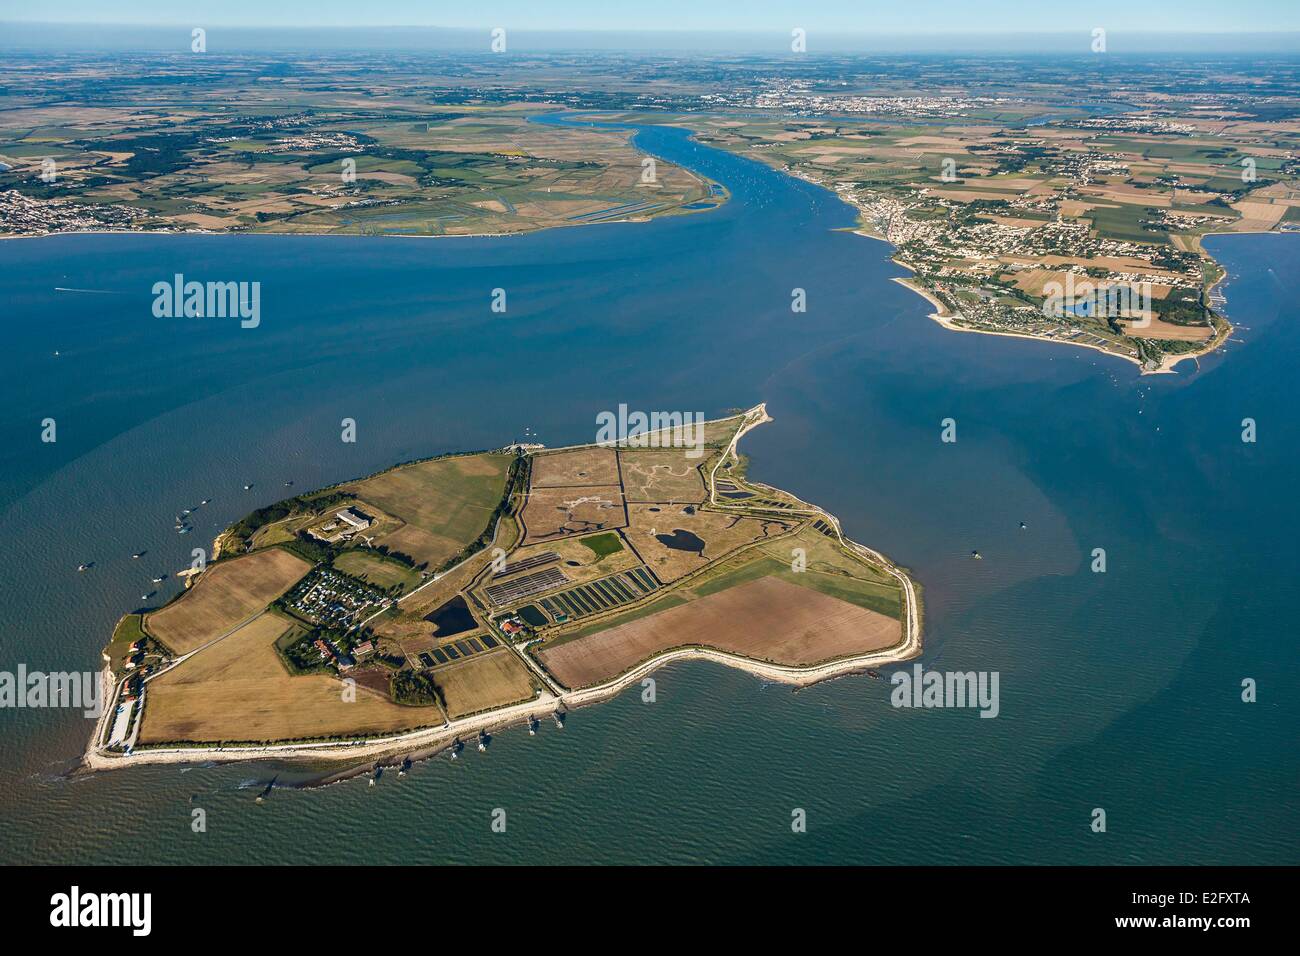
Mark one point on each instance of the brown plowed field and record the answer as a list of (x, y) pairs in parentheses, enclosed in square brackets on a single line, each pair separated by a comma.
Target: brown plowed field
[(769, 619)]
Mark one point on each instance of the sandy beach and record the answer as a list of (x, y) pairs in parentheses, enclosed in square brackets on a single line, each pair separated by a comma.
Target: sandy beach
[(423, 743)]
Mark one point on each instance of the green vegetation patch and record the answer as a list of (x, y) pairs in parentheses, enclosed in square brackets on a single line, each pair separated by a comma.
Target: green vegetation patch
[(414, 689), (297, 650), (881, 598), (603, 545), (377, 570), (129, 630), (750, 571)]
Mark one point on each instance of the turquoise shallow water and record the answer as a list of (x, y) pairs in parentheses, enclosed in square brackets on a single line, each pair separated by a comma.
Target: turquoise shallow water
[(1118, 690)]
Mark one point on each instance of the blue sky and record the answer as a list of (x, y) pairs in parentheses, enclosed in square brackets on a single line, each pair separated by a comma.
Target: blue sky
[(857, 16)]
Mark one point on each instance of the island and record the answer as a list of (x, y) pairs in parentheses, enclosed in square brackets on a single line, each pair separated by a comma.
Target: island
[(398, 615)]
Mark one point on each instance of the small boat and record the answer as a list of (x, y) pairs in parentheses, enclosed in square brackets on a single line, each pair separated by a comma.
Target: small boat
[(1022, 526), (482, 741), (532, 726), (205, 501), (875, 674), (85, 566), (406, 765), (185, 512), (158, 580), (137, 555), (288, 484), (248, 487), (977, 556), (185, 530), (456, 747), (559, 719)]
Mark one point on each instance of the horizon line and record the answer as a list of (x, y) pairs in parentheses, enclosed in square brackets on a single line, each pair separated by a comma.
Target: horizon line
[(649, 30)]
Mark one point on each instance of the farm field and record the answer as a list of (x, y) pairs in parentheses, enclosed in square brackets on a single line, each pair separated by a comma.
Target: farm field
[(239, 690), (484, 681), (675, 540), (827, 569), (581, 466), (768, 619), (661, 475), (273, 153), (560, 512), (226, 594), (443, 504), (374, 568)]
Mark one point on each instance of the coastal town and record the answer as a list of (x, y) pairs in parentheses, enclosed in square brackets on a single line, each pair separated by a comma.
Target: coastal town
[(1020, 217)]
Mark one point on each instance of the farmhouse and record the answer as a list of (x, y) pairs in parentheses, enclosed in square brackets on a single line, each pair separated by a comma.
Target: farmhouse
[(356, 520), (346, 523)]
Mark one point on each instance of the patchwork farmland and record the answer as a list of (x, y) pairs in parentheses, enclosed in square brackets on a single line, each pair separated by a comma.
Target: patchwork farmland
[(447, 590)]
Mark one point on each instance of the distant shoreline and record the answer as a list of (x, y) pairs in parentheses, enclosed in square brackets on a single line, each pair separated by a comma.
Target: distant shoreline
[(944, 317), (321, 235)]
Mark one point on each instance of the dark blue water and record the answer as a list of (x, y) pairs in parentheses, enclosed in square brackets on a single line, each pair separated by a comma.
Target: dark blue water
[(1119, 690)]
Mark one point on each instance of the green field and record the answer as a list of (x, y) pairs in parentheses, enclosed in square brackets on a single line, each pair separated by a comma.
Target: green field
[(374, 568), (1125, 222), (444, 503), (127, 632), (603, 545)]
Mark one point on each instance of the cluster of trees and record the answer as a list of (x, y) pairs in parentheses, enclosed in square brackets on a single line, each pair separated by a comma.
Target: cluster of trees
[(272, 513), (312, 549), (302, 655), (969, 215), (401, 557), (1018, 161), (412, 687), (1182, 307)]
